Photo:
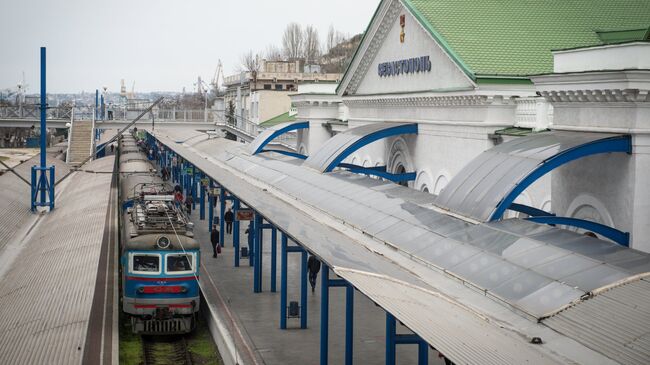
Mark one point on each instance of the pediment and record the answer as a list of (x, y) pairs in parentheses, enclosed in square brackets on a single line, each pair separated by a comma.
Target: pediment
[(399, 55)]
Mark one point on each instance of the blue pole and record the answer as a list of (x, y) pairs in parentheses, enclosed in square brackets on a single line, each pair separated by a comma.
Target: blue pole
[(235, 232), (96, 104), (251, 249), (202, 200), (211, 205), (194, 192), (257, 265), (222, 212), (43, 179), (390, 339), (349, 323), (423, 353), (283, 282), (324, 315), (101, 103), (274, 258), (303, 289)]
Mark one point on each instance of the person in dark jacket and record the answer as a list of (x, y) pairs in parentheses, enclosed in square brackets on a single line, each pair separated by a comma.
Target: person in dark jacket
[(188, 204), (313, 267), (214, 238), (229, 217)]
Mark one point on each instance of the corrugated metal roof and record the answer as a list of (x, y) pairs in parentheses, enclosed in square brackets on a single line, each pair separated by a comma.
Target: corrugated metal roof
[(47, 291), (506, 252), (14, 193), (449, 325), (483, 183), (615, 323)]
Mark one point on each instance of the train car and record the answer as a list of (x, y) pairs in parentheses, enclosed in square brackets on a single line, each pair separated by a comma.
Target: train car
[(160, 258)]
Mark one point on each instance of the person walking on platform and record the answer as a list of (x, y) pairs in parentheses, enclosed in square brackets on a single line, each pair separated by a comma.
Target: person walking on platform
[(188, 204), (313, 266), (214, 238), (229, 217)]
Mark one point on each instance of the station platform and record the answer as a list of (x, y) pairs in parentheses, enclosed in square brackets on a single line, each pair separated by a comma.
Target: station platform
[(58, 288), (253, 320)]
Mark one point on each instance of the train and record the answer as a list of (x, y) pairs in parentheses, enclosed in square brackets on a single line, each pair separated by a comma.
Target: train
[(159, 257)]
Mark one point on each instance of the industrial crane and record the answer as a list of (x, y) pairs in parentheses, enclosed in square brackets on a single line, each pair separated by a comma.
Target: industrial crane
[(215, 78)]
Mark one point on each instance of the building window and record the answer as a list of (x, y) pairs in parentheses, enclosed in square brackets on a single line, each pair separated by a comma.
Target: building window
[(267, 86), (278, 87)]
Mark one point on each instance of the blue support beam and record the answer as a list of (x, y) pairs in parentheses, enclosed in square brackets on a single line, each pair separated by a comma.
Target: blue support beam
[(303, 289), (287, 153), (621, 143), (195, 197), (620, 237), (274, 258), (531, 211), (235, 231), (326, 283), (324, 314), (411, 128), (283, 280), (251, 248), (222, 212), (257, 254), (407, 176), (202, 199), (393, 339), (211, 199), (267, 137)]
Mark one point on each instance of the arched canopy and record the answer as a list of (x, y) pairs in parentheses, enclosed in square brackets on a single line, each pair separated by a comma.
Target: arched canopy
[(488, 185), (271, 133), (337, 148)]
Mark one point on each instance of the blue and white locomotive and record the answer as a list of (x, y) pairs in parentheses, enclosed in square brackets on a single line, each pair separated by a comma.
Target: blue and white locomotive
[(160, 258)]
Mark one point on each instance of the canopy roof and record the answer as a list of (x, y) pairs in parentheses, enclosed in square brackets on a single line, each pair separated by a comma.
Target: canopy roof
[(510, 271)]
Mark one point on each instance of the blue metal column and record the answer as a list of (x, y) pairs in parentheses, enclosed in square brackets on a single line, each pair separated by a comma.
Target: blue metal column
[(257, 264), (274, 258), (283, 281), (235, 230), (43, 184), (251, 248), (324, 314), (222, 212), (202, 198), (210, 205), (303, 289), (423, 353), (194, 192), (391, 333), (349, 324), (96, 104)]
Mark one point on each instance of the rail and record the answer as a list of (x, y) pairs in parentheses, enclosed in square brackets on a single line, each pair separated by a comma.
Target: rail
[(252, 130), (121, 113)]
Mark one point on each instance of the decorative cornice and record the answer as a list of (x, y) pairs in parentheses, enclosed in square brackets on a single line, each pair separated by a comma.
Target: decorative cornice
[(432, 101), (597, 96)]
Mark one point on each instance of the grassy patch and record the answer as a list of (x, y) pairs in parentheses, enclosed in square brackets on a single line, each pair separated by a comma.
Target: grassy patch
[(202, 347), (130, 343)]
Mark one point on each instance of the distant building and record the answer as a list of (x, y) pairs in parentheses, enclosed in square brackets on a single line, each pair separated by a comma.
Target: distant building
[(258, 97)]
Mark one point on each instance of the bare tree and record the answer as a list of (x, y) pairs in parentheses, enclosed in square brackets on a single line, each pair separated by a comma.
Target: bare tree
[(312, 44), (273, 53), (251, 62), (334, 38), (293, 42)]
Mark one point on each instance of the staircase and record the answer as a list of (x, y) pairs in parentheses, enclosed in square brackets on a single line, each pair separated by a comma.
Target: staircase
[(80, 141)]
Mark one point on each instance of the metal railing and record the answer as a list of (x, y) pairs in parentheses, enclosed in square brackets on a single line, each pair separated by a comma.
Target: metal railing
[(112, 113), (251, 129)]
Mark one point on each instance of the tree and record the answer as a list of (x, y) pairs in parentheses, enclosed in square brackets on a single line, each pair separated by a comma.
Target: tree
[(293, 42), (311, 44), (273, 53), (334, 37), (230, 114), (251, 62)]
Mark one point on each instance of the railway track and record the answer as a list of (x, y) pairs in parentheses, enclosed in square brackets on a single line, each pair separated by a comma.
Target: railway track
[(165, 350)]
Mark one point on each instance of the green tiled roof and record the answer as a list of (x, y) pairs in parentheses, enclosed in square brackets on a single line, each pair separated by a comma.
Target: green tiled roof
[(515, 37), (282, 118)]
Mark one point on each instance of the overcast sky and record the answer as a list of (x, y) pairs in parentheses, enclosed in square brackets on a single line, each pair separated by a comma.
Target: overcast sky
[(162, 45)]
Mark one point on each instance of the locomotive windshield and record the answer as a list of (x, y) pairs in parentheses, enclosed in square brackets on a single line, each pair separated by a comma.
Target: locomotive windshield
[(179, 263), (146, 263)]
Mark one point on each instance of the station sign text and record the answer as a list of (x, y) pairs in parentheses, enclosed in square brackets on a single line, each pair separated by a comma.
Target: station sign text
[(406, 66)]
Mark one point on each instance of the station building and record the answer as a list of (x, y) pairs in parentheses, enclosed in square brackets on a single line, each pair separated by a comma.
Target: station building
[(473, 75)]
